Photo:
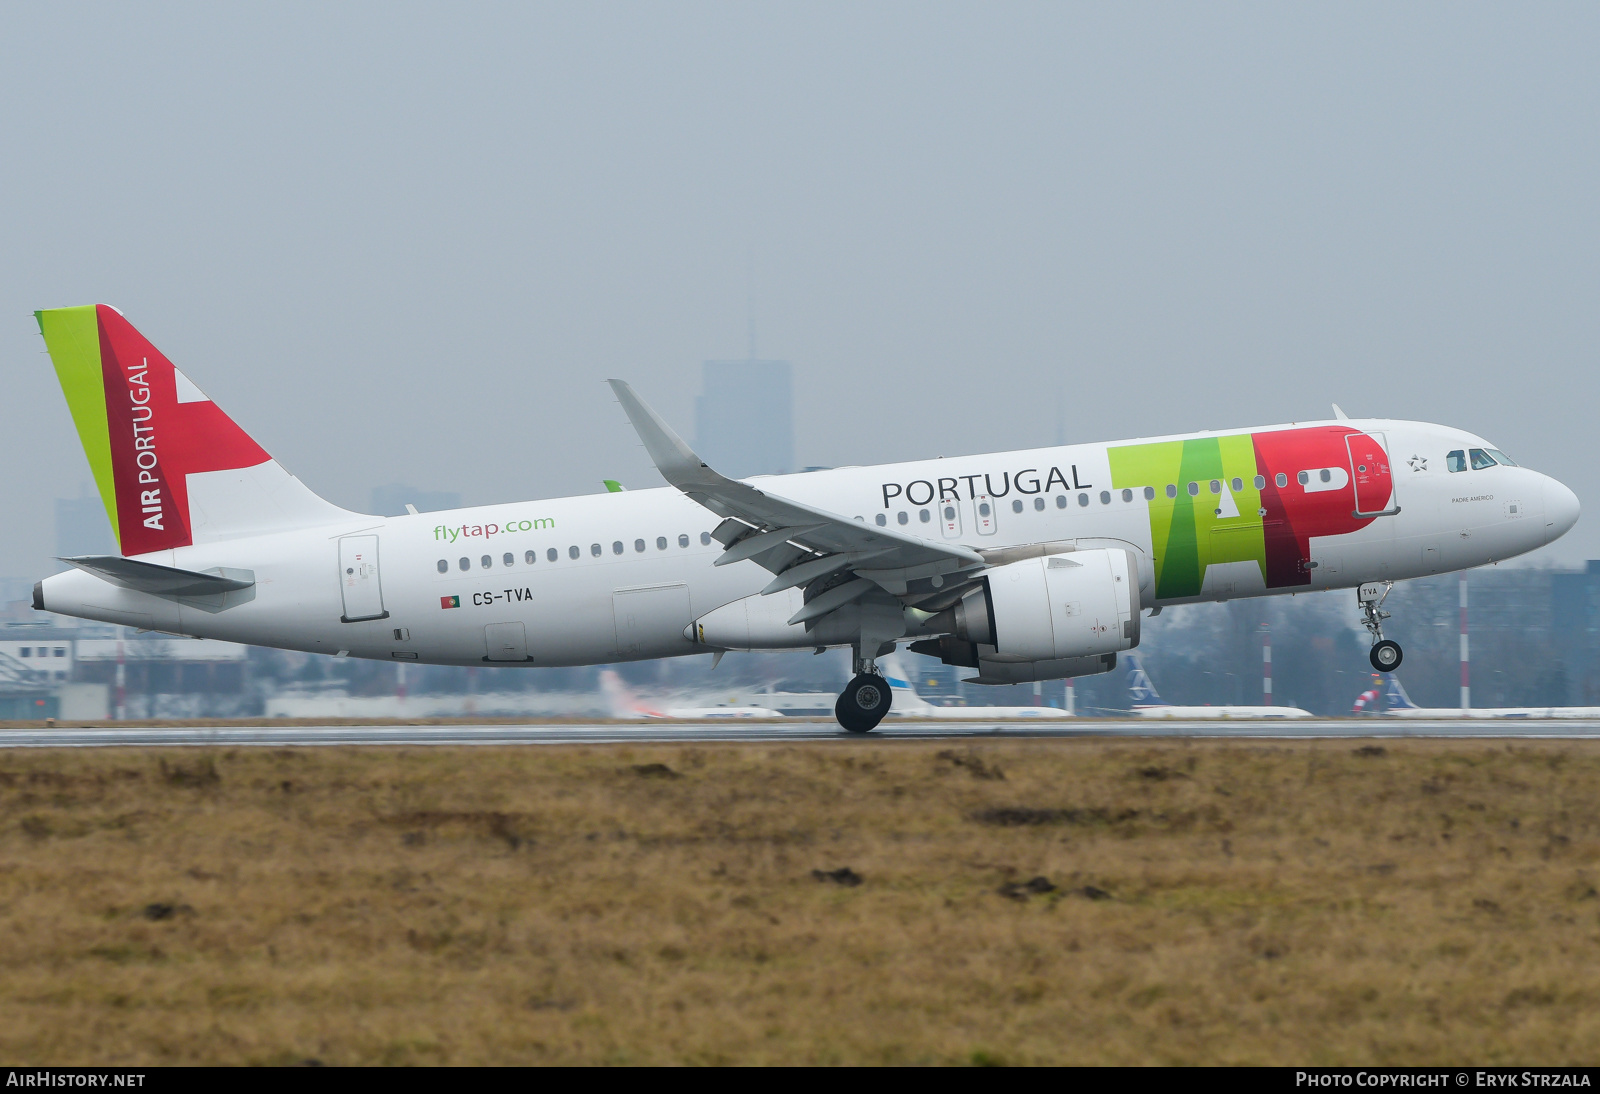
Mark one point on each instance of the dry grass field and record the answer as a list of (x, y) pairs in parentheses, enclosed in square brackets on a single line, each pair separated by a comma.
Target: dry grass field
[(860, 902)]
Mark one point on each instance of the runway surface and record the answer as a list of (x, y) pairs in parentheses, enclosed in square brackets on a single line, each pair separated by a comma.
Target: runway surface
[(675, 732)]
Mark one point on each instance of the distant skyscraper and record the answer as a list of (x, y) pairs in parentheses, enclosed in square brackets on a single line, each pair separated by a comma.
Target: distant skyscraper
[(390, 501), (82, 527), (744, 421)]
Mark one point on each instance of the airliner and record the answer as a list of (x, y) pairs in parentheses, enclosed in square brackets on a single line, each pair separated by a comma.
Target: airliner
[(913, 707), (1397, 704), (1148, 704), (1027, 565), (625, 706)]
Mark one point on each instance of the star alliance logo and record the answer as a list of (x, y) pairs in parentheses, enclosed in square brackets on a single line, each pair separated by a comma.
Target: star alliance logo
[(1418, 463)]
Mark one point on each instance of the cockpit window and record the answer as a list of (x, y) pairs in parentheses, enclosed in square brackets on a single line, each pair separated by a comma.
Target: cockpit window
[(1501, 457), (1481, 459), (1456, 461)]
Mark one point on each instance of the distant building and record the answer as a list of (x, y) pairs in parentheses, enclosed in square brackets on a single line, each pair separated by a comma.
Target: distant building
[(82, 527), (390, 501), (744, 421)]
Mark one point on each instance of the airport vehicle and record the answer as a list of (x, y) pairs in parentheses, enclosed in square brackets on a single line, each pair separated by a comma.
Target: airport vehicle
[(1397, 704), (624, 705), (1147, 703), (1025, 565), (911, 706)]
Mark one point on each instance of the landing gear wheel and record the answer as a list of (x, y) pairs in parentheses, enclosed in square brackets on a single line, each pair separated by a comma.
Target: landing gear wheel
[(1386, 656), (863, 703)]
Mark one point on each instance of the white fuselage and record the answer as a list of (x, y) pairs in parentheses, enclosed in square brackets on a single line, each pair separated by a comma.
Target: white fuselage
[(621, 576)]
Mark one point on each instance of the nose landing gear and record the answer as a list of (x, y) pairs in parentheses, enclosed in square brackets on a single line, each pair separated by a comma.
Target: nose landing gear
[(1386, 655)]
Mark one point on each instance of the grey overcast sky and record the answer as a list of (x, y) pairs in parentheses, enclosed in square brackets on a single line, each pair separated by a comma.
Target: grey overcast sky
[(408, 242)]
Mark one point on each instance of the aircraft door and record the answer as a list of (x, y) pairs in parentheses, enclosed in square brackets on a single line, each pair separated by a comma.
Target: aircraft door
[(983, 515), (1372, 475), (650, 619), (359, 580), (950, 517), (506, 642)]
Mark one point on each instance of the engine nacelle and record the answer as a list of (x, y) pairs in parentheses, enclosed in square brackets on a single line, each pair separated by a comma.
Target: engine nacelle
[(1055, 608)]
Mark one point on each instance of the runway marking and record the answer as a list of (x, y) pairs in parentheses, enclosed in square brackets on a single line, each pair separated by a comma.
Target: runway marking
[(717, 732)]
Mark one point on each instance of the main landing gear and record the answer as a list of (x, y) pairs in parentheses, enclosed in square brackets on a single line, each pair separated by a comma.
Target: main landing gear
[(1386, 655), (865, 699)]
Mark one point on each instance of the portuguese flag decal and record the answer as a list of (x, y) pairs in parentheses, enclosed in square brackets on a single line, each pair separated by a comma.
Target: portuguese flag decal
[(449, 602)]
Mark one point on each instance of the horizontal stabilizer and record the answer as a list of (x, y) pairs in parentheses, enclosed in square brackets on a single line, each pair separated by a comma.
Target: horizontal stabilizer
[(147, 577)]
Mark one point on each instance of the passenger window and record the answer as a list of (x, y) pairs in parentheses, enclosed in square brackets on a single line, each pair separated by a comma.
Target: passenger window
[(486, 562), (573, 552), (531, 557), (1083, 499), (1281, 480), (552, 554), (444, 567), (465, 564), (1261, 482), (594, 550), (903, 517), (1194, 489), (509, 559), (683, 541), (1325, 475), (1303, 478), (1127, 495), (983, 510), (1216, 487), (1105, 497), (705, 539), (1061, 501), (661, 543), (1481, 459), (1149, 493), (638, 545), (1172, 491), (616, 547), (1456, 461), (1238, 485), (1501, 457), (1016, 506), (949, 512), (1038, 505), (924, 516), (881, 520)]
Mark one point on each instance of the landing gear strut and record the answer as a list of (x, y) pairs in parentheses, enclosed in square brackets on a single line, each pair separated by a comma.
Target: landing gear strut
[(863, 703), (1386, 655)]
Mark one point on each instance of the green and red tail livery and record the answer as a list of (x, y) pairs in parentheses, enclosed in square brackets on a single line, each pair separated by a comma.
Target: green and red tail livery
[(145, 427)]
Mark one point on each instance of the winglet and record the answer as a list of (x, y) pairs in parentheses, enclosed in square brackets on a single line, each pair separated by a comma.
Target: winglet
[(673, 458), (1339, 414), (613, 486)]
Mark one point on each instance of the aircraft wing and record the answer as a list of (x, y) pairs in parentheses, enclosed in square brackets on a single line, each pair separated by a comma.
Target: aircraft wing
[(798, 543)]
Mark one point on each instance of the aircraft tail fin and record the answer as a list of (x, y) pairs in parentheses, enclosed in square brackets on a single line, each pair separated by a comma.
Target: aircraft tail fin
[(170, 466), (1140, 690), (899, 679), (1394, 694), (621, 703)]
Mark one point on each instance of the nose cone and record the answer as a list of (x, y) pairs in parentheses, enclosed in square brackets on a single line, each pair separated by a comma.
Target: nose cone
[(1560, 510)]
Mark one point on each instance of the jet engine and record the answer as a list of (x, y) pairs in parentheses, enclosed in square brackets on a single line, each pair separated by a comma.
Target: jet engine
[(1044, 618)]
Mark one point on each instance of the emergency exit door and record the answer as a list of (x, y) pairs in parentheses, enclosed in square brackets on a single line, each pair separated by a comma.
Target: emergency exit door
[(359, 580)]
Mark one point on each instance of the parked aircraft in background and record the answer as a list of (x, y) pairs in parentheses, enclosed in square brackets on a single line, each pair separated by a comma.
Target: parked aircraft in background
[(1027, 565), (1148, 704), (626, 706), (1397, 704), (909, 705)]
